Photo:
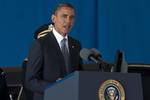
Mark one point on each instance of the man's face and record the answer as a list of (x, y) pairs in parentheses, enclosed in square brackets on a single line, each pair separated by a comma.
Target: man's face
[(63, 20)]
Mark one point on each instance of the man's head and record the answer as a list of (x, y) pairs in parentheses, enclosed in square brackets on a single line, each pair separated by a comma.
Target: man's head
[(63, 18)]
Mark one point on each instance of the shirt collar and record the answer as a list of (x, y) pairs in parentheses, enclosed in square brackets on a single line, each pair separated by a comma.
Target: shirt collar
[(58, 36)]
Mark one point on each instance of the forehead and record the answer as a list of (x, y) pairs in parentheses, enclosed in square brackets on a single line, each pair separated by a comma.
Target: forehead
[(67, 10)]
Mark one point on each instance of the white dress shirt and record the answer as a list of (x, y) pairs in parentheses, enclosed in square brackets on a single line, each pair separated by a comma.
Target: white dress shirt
[(59, 38)]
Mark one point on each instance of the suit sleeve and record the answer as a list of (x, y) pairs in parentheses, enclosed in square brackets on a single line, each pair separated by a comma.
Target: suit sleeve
[(33, 79)]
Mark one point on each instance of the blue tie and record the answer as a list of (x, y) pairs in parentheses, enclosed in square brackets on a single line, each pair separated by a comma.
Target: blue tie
[(65, 53)]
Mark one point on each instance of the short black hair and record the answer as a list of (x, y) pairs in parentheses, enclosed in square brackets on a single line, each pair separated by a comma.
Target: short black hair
[(60, 5)]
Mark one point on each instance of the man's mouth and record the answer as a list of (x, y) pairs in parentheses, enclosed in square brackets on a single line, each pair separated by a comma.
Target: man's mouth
[(66, 27)]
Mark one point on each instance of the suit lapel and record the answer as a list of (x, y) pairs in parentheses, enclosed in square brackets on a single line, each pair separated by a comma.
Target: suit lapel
[(53, 43), (72, 51), (54, 48)]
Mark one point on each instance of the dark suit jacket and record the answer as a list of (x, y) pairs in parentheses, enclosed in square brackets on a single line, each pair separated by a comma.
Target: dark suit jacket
[(4, 91), (46, 63)]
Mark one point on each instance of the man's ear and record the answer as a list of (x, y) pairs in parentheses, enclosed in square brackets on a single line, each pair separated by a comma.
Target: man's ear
[(53, 18)]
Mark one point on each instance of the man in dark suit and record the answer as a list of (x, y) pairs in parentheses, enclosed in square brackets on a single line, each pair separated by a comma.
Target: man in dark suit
[(54, 55), (4, 91)]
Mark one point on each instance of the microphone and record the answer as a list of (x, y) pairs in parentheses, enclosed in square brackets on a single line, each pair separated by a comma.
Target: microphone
[(97, 54), (88, 55)]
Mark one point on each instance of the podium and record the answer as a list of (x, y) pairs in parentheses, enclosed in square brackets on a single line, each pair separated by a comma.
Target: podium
[(84, 85)]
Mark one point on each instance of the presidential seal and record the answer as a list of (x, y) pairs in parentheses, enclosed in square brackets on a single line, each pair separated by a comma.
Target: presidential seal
[(111, 90)]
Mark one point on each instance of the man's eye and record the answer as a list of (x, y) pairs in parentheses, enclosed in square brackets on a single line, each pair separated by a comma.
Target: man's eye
[(64, 16), (72, 17)]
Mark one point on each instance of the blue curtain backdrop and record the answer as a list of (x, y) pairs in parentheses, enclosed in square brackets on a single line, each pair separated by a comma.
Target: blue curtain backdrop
[(107, 25)]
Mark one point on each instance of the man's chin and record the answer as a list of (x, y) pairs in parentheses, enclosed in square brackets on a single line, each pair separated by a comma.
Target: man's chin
[(65, 32)]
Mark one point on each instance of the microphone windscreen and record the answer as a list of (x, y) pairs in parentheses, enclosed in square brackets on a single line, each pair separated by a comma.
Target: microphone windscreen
[(96, 52), (85, 53)]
